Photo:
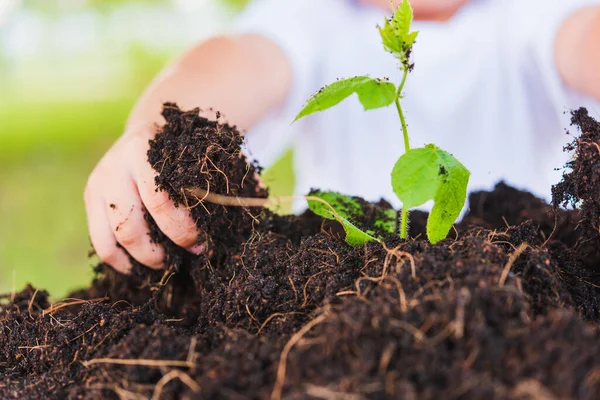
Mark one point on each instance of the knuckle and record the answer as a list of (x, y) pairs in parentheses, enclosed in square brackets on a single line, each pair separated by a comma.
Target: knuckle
[(112, 259), (156, 265), (127, 235), (183, 237), (153, 259), (156, 202), (133, 237), (109, 255)]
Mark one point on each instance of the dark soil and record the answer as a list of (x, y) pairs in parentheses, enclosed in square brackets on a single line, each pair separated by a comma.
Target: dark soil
[(507, 307)]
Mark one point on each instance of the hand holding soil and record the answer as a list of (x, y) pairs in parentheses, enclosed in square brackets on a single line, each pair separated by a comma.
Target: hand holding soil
[(121, 196)]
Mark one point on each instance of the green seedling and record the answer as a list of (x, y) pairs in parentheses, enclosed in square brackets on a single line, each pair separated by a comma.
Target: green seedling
[(420, 174)]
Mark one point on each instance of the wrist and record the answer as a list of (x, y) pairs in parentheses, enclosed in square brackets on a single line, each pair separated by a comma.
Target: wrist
[(140, 128)]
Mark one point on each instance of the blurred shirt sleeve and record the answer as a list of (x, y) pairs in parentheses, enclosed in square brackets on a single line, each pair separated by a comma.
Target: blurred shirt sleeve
[(538, 23), (299, 28)]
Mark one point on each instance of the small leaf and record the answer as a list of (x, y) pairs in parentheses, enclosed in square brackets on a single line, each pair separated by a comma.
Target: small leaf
[(430, 173), (335, 206), (410, 39), (390, 40), (396, 35), (372, 93), (449, 201), (402, 18)]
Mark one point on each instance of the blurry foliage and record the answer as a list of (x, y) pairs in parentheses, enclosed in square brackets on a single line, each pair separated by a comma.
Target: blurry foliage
[(59, 115), (237, 4), (43, 234), (61, 6)]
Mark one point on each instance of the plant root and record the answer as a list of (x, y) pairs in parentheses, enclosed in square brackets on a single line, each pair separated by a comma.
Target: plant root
[(174, 374), (282, 367), (511, 260)]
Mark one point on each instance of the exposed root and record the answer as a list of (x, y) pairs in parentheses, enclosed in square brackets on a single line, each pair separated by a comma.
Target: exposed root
[(252, 317), (511, 260), (89, 330), (386, 357), (69, 302), (174, 374), (580, 142), (553, 229), (321, 392), (273, 316), (305, 289), (293, 288), (420, 336), (192, 351), (282, 367), (533, 389), (395, 252), (139, 362), (30, 305), (222, 173), (401, 293), (459, 322), (31, 348), (200, 201), (228, 201)]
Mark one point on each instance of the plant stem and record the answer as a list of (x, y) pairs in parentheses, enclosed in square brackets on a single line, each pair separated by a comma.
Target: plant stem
[(404, 218), (404, 223), (401, 113)]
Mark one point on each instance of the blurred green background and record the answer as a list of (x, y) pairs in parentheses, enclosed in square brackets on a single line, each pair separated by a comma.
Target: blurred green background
[(70, 72)]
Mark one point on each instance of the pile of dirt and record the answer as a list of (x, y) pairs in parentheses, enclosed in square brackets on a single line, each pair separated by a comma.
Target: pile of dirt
[(280, 307)]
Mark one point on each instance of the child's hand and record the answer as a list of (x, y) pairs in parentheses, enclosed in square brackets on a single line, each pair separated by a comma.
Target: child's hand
[(118, 190), (122, 184)]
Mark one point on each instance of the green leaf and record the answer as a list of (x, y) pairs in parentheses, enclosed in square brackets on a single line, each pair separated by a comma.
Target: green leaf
[(449, 201), (372, 93), (410, 39), (396, 35), (430, 173), (402, 18), (415, 177), (337, 207)]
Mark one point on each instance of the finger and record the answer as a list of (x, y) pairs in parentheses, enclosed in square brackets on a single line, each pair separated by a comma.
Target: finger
[(175, 222), (101, 236), (126, 217)]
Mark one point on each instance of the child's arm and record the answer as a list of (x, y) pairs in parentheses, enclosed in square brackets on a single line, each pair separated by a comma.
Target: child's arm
[(244, 77), (577, 52)]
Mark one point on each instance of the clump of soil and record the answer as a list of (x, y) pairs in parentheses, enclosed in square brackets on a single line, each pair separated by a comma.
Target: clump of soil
[(190, 152), (281, 307), (580, 187)]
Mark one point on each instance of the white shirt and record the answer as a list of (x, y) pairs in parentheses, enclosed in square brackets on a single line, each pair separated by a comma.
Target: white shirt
[(484, 88)]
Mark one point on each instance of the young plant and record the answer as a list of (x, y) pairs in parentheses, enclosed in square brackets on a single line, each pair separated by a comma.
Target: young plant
[(420, 174)]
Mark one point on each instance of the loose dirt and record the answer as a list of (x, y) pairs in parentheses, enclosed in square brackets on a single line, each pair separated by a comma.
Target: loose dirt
[(280, 307)]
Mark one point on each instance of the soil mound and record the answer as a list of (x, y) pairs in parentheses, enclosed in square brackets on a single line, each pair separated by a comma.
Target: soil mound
[(279, 307)]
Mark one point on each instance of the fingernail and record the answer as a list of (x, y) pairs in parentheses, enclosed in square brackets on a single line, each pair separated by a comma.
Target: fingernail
[(197, 249)]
